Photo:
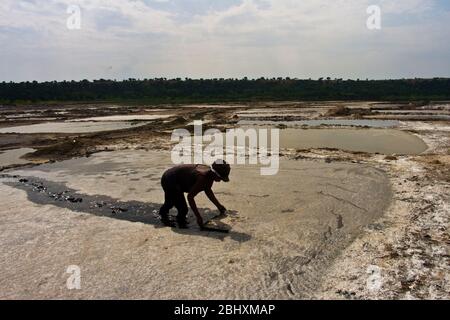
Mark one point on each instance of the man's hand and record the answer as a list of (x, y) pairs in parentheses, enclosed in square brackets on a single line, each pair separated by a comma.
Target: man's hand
[(222, 209)]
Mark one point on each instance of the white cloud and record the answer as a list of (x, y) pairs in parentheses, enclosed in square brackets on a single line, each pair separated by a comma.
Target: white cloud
[(304, 38)]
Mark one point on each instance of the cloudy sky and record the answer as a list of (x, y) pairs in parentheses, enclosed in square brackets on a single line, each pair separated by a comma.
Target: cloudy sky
[(223, 38)]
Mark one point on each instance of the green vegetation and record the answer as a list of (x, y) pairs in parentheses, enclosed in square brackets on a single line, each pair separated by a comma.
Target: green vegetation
[(224, 90)]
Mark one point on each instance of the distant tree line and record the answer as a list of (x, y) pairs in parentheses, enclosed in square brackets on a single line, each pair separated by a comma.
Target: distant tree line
[(164, 90)]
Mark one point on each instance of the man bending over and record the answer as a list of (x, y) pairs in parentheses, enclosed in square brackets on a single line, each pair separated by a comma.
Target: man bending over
[(191, 179)]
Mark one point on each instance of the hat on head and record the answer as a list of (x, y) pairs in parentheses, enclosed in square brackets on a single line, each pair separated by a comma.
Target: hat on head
[(221, 169)]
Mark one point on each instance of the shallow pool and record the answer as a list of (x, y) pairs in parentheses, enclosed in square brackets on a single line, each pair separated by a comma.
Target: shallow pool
[(72, 127), (383, 141), (137, 117), (10, 157), (325, 122)]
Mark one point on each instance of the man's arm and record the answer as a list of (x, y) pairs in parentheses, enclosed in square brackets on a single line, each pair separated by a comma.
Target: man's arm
[(213, 199), (196, 189)]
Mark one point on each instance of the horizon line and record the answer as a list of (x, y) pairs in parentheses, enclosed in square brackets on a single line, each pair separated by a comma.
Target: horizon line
[(224, 79)]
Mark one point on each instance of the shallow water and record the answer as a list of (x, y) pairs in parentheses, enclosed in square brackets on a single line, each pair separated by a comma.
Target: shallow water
[(71, 127), (218, 106), (269, 114), (412, 112), (316, 123), (278, 111), (441, 117), (383, 141), (138, 117), (10, 157)]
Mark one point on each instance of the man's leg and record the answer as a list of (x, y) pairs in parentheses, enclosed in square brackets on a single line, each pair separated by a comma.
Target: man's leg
[(168, 204), (181, 205)]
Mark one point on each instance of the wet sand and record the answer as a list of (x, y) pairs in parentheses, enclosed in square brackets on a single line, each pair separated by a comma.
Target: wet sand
[(286, 230), (310, 232)]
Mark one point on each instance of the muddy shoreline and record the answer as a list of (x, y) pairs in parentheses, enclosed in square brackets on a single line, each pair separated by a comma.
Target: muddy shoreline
[(409, 243)]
